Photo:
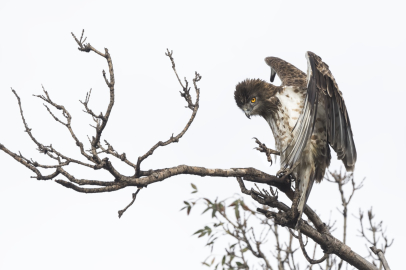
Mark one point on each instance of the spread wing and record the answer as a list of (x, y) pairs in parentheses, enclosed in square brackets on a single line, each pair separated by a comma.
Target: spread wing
[(320, 83), (339, 133), (292, 76)]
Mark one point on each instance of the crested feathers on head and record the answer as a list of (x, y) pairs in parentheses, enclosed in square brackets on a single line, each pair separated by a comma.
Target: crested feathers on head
[(246, 90), (262, 91)]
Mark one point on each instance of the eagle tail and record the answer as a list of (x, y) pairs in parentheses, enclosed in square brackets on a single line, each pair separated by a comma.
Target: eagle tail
[(306, 179)]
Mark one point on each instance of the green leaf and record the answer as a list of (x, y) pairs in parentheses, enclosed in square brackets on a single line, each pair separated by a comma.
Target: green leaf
[(213, 214), (244, 206), (208, 229), (187, 203), (212, 261), (207, 200), (221, 207), (208, 208), (211, 242), (188, 210), (244, 250), (199, 231), (234, 203), (193, 186), (231, 258), (237, 213), (223, 261)]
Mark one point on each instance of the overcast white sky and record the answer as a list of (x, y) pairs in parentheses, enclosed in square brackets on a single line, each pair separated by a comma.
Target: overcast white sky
[(46, 226)]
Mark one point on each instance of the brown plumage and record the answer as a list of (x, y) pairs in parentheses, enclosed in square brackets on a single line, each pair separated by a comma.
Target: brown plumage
[(306, 113)]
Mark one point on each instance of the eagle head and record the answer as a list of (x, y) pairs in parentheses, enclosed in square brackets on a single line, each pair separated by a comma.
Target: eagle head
[(253, 97)]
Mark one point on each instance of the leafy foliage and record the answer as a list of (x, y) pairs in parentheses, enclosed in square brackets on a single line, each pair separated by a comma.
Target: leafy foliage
[(233, 220), (269, 246)]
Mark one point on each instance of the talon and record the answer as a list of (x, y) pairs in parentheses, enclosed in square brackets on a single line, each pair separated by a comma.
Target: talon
[(262, 148), (281, 173)]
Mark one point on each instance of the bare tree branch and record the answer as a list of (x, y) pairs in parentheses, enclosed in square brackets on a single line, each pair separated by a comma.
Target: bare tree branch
[(310, 260), (191, 105), (381, 257), (327, 242), (101, 125), (121, 212), (285, 216), (68, 117), (341, 179), (375, 229)]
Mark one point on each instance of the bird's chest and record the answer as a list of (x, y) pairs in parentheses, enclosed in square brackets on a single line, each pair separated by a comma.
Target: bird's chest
[(282, 122)]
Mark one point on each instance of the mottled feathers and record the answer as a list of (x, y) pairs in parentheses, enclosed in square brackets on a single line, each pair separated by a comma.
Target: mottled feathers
[(339, 131), (306, 113)]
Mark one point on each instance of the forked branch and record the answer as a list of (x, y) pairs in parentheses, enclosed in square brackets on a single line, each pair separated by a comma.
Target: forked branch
[(317, 230), (322, 237), (193, 106), (86, 47)]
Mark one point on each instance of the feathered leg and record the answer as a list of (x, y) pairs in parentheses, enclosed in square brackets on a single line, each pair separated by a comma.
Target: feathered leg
[(304, 187), (306, 175)]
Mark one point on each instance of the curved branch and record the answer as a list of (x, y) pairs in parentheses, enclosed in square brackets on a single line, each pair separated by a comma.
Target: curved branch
[(310, 260), (381, 256), (328, 243), (191, 105), (86, 47), (68, 117), (160, 143), (121, 212), (284, 217)]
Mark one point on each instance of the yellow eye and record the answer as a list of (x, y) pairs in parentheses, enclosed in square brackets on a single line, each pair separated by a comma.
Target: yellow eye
[(253, 100)]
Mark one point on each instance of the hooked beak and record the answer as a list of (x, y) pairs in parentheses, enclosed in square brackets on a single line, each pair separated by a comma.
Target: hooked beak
[(247, 113)]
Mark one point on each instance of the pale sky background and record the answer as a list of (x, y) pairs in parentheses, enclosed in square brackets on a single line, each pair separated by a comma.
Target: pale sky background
[(46, 226)]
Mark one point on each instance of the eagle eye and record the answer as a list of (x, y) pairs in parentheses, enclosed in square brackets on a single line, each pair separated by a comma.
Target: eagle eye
[(253, 100)]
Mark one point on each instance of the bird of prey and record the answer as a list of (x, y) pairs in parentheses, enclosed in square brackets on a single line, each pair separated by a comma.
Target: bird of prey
[(307, 114)]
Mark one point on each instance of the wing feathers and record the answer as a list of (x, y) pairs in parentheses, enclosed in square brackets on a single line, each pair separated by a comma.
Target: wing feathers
[(273, 73), (305, 125), (288, 73), (338, 123), (320, 84), (301, 131)]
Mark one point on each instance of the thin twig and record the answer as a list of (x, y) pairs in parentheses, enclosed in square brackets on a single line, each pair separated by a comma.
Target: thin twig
[(121, 212), (191, 105)]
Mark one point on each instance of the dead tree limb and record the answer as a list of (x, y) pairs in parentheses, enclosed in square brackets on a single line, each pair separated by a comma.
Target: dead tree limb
[(381, 256), (327, 242), (341, 179), (317, 231)]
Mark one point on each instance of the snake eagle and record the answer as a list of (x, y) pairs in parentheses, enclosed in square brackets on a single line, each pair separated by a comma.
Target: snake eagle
[(306, 114)]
